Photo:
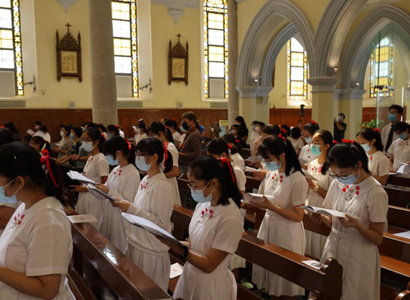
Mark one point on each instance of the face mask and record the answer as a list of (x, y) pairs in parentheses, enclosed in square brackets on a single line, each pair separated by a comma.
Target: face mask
[(62, 133), (366, 147), (258, 129), (185, 126), (111, 161), (88, 146), (339, 118), (36, 127), (253, 128), (4, 198), (109, 135), (402, 136), (182, 129), (308, 139), (234, 131), (198, 195), (315, 149), (391, 117), (273, 165), (72, 136), (140, 163), (139, 130), (351, 179)]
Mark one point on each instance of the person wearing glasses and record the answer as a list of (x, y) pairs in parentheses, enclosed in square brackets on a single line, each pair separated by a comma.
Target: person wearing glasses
[(214, 232), (282, 224), (154, 203), (353, 240), (322, 143)]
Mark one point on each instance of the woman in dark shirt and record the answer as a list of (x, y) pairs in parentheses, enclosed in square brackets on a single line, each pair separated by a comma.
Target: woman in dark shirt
[(243, 130)]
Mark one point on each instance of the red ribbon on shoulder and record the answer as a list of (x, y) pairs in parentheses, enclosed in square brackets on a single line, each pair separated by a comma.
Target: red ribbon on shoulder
[(348, 141), (165, 153), (225, 161), (45, 160)]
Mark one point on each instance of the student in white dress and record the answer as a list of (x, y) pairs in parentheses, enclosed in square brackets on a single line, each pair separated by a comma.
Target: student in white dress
[(379, 165), (234, 148), (36, 246), (43, 132), (113, 130), (172, 124), (254, 134), (282, 224), (214, 232), (322, 143), (353, 242), (38, 143), (95, 169), (258, 138), (154, 203), (296, 139), (141, 132), (7, 205), (400, 149), (308, 131), (123, 182), (163, 133)]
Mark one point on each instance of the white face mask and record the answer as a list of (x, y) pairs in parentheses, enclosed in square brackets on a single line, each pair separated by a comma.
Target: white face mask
[(88, 146), (141, 164), (62, 133)]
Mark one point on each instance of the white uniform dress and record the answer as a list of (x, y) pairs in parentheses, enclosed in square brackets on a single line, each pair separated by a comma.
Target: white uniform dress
[(95, 168), (123, 183), (155, 203), (11, 205), (297, 144), (401, 151), (238, 160), (379, 164), (37, 242), (359, 258), (173, 180), (315, 242), (177, 138), (218, 227), (306, 153), (288, 191), (139, 137)]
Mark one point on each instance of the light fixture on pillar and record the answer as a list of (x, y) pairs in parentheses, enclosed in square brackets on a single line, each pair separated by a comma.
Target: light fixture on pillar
[(408, 88), (332, 71), (66, 4), (356, 86), (257, 81)]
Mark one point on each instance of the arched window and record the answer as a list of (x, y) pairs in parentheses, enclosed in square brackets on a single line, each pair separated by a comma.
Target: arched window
[(10, 42), (124, 23), (381, 68), (216, 48), (297, 73)]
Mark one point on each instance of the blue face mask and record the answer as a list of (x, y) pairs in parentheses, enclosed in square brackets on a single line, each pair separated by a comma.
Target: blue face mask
[(308, 139), (88, 146), (72, 136), (366, 147), (315, 149), (273, 165), (198, 195), (111, 161), (391, 117), (351, 179), (141, 165), (403, 136), (4, 198), (253, 127)]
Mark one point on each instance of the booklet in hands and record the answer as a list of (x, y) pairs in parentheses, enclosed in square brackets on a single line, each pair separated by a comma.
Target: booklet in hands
[(92, 187), (150, 227), (248, 197), (74, 175), (328, 212)]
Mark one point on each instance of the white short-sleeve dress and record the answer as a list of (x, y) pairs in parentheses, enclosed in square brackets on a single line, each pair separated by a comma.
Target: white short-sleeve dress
[(218, 227), (401, 151), (95, 168), (359, 258), (379, 164), (37, 242), (172, 149), (11, 205), (237, 160), (288, 191), (315, 242), (306, 153)]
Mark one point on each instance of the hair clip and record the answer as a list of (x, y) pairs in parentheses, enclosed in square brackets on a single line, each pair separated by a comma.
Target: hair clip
[(348, 141), (377, 130), (116, 126), (237, 141), (229, 146), (335, 142), (313, 122)]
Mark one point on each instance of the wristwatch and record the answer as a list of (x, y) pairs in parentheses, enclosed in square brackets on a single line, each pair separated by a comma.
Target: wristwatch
[(316, 189)]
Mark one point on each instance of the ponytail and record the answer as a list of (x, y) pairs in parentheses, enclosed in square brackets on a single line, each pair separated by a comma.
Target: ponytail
[(153, 146), (117, 143), (233, 142), (157, 127), (311, 127)]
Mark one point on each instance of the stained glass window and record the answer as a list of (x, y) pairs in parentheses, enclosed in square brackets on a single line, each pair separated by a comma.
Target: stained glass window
[(216, 48), (10, 41), (381, 68), (124, 24), (297, 72)]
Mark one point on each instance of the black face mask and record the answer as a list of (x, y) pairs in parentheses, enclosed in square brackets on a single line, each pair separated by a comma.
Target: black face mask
[(185, 125)]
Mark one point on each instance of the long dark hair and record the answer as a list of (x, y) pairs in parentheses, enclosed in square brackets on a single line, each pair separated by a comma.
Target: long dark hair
[(19, 159), (207, 168), (10, 126), (218, 146), (95, 135), (44, 145), (5, 136), (242, 120), (172, 124), (153, 146), (369, 134), (157, 127), (276, 146), (234, 142), (346, 155), (117, 143), (114, 128), (311, 127)]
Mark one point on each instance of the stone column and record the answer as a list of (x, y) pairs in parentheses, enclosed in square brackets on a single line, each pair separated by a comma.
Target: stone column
[(350, 102), (254, 103), (233, 100), (323, 89), (104, 90)]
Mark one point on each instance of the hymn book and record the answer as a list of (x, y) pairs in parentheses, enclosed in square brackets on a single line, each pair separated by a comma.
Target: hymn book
[(93, 188), (328, 212), (74, 175)]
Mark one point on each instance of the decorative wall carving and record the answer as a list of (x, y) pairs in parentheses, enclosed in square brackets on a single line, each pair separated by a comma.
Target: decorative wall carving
[(68, 55)]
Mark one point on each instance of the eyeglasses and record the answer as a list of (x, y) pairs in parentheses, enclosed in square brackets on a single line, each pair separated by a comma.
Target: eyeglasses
[(334, 176), (194, 188)]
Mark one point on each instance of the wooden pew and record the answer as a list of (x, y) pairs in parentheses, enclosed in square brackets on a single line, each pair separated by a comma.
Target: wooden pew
[(245, 153), (398, 197), (325, 283), (399, 181), (119, 273)]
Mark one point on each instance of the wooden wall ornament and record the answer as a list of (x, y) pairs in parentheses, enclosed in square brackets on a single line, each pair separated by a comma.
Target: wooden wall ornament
[(69, 56), (178, 62)]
